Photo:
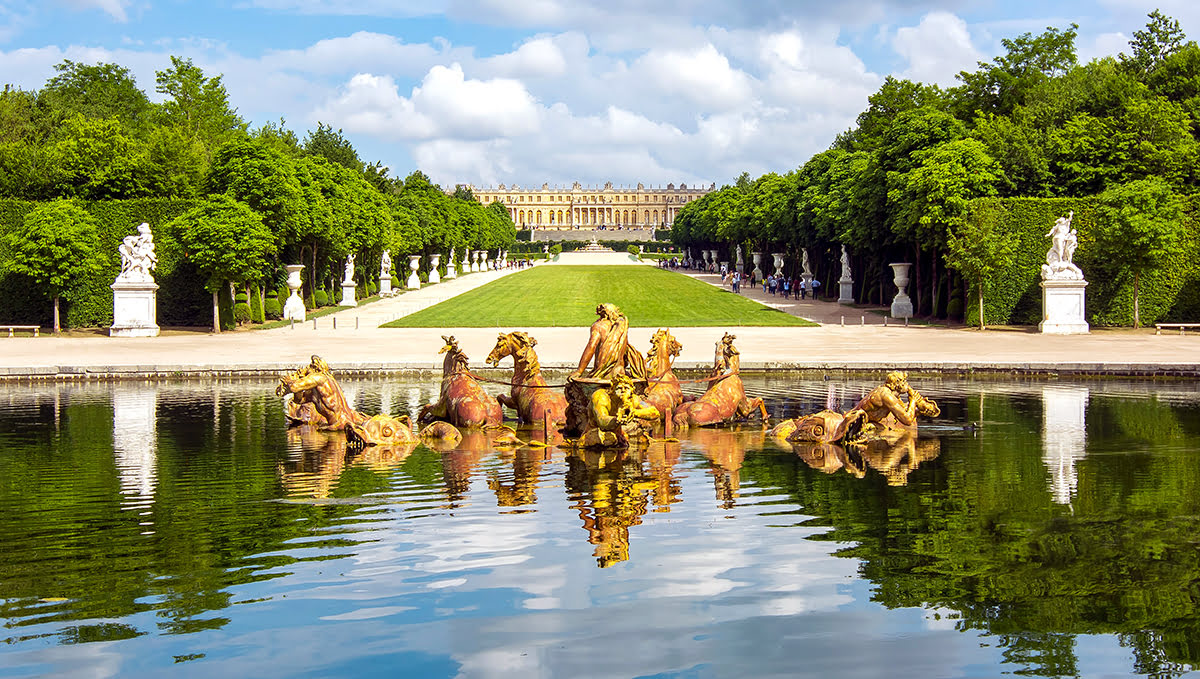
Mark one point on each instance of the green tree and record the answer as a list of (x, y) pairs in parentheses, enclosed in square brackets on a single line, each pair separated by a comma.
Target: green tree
[(1161, 38), (977, 249), (227, 242), (54, 249), (1140, 227), (332, 146), (95, 159), (96, 91), (1002, 85), (257, 174), (197, 103)]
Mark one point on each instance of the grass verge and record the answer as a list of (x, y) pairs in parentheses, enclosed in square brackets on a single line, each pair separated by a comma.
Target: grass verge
[(568, 295)]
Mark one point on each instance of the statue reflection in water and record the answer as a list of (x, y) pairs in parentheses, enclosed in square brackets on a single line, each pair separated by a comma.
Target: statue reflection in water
[(323, 457), (612, 490), (726, 451), (895, 459)]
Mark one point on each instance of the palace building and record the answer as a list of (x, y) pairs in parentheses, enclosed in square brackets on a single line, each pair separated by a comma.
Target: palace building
[(591, 208)]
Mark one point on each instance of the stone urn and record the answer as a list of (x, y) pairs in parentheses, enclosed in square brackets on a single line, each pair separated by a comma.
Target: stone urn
[(434, 261), (466, 262), (414, 281), (451, 266), (902, 306), (778, 257), (293, 308), (756, 257)]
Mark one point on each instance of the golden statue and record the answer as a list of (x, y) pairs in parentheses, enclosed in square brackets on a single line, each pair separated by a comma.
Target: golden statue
[(530, 395), (663, 391), (462, 403), (608, 348), (616, 415), (317, 399), (725, 400), (879, 411)]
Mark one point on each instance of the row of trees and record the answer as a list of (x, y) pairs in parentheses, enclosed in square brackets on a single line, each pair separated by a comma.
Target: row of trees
[(1032, 123), (263, 196)]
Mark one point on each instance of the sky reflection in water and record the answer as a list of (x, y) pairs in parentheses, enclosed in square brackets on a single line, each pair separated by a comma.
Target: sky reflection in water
[(179, 525)]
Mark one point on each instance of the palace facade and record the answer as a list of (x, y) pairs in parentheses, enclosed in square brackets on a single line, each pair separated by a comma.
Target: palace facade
[(591, 208)]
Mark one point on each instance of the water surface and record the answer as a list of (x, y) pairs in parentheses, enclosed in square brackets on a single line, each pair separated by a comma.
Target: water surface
[(155, 529)]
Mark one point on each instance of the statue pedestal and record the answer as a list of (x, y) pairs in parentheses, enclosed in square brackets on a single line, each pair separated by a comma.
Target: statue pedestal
[(1062, 307), (806, 284), (135, 309), (845, 291), (348, 294), (385, 286)]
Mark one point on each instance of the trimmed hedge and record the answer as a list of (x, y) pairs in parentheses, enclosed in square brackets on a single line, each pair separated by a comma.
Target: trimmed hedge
[(1170, 293), (182, 299)]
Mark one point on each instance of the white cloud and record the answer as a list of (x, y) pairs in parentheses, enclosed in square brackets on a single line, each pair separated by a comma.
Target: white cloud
[(936, 49), (113, 8), (537, 58), (446, 104), (701, 75)]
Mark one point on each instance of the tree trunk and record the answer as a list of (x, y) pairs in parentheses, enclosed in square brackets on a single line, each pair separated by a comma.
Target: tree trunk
[(1137, 321), (216, 315), (933, 295), (57, 327), (916, 283), (980, 286)]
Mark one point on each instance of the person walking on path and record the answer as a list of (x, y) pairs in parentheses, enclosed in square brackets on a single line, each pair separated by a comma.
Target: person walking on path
[(815, 284)]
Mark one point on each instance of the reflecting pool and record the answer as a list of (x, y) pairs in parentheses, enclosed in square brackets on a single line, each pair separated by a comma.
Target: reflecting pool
[(178, 528)]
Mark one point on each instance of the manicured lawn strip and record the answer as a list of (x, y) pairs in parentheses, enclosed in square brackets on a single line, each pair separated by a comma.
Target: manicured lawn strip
[(567, 296)]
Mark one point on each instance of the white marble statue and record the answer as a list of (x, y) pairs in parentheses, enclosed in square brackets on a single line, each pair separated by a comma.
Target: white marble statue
[(845, 263), (804, 265), (385, 266), (738, 257), (137, 256), (349, 277), (1063, 240)]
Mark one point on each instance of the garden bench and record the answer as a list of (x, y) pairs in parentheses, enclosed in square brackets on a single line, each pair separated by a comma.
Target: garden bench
[(1158, 327), (11, 328)]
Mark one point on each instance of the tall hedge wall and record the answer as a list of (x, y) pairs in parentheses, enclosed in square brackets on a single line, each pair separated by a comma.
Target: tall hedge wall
[(1170, 293), (182, 299)]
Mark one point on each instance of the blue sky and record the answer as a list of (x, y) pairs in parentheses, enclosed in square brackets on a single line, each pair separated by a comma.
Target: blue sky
[(557, 91)]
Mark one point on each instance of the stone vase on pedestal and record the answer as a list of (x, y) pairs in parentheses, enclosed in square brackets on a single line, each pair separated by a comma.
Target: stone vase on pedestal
[(135, 309), (756, 257), (778, 258), (466, 262), (902, 306), (293, 308), (451, 266), (1062, 307), (414, 281), (435, 260)]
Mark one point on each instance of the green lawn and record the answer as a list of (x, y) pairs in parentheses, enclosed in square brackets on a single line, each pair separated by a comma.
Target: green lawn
[(568, 295)]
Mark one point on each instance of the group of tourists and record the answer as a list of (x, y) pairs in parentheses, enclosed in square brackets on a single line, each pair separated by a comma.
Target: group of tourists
[(776, 285)]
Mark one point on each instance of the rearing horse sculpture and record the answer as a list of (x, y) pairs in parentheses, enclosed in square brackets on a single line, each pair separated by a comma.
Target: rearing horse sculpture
[(726, 398), (463, 403), (663, 391), (530, 396)]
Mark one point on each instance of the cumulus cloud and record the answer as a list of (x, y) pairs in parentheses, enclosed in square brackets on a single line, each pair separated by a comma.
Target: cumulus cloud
[(446, 104), (537, 58), (936, 49), (702, 75)]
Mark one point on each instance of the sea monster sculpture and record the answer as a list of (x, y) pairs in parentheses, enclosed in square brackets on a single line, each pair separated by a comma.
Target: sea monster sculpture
[(725, 400), (317, 399), (662, 390), (530, 395), (878, 413), (463, 403)]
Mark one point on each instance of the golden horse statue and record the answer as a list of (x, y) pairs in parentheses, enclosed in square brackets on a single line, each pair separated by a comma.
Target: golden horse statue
[(663, 391), (463, 403), (879, 412), (317, 399), (725, 400), (530, 395)]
